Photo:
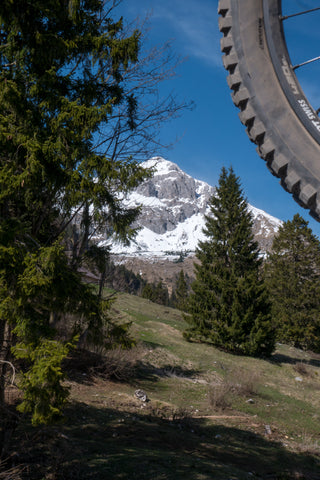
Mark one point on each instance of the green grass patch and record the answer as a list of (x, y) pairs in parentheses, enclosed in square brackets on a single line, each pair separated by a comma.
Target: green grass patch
[(205, 418)]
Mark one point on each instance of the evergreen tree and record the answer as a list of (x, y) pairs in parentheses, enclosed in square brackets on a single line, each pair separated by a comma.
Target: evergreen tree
[(161, 294), (229, 305), (148, 292), (157, 293), (180, 292), (67, 111), (293, 275)]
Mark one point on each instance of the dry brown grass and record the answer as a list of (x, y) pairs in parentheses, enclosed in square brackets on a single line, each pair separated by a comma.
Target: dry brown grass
[(309, 445), (13, 473), (302, 369), (117, 363), (219, 396), (120, 364), (238, 382), (245, 382)]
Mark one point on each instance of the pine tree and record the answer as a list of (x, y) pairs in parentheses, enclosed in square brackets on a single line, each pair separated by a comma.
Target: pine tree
[(229, 305), (293, 275), (67, 115)]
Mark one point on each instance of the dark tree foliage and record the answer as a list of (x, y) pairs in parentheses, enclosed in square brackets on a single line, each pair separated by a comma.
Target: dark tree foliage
[(122, 279), (180, 293), (161, 294), (229, 305), (293, 276), (62, 70), (148, 292), (156, 292)]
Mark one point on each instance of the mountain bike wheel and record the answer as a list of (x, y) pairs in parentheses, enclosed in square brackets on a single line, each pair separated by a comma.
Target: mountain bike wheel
[(273, 106)]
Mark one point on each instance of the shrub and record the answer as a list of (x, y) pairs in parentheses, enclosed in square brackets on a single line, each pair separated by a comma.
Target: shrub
[(220, 395)]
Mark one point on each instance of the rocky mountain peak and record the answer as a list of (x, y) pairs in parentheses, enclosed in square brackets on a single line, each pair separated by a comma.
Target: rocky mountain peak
[(173, 208), (171, 183), (170, 197)]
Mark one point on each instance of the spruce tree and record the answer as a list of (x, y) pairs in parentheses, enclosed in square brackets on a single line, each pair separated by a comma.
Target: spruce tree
[(293, 276), (67, 109), (229, 305)]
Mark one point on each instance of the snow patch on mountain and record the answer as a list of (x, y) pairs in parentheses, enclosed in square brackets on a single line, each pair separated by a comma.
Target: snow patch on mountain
[(269, 222), (184, 238), (172, 216)]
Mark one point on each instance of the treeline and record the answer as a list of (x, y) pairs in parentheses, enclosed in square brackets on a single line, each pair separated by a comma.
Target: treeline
[(158, 293), (243, 302), (240, 300), (122, 279), (291, 282)]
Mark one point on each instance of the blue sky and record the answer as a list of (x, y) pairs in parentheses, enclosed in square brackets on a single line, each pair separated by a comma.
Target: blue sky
[(211, 135)]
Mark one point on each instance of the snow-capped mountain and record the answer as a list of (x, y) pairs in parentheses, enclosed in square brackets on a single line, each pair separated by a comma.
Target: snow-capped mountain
[(173, 209)]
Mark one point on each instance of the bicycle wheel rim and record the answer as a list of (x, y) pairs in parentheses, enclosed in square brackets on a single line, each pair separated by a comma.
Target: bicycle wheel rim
[(277, 45)]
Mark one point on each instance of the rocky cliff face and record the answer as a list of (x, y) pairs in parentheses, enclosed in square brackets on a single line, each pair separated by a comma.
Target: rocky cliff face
[(172, 217), (173, 197)]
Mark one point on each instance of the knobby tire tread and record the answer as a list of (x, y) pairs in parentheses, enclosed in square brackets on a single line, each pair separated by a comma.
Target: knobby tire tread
[(281, 144)]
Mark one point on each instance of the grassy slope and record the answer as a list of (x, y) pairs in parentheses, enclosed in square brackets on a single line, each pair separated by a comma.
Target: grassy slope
[(197, 424)]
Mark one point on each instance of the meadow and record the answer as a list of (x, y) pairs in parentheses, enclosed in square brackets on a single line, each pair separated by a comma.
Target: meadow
[(208, 414)]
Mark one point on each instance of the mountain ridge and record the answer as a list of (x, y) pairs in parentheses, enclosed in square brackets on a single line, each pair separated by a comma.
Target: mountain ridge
[(174, 206)]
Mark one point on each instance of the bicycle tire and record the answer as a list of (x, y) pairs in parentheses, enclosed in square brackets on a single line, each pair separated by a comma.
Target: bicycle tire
[(273, 107)]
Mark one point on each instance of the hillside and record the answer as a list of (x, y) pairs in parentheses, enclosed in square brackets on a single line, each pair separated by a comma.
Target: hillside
[(209, 415)]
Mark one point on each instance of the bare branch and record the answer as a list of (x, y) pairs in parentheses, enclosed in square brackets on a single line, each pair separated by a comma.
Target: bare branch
[(13, 370)]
